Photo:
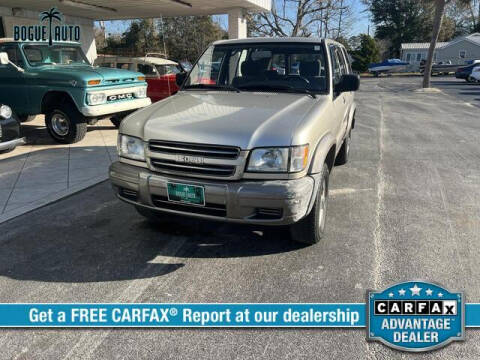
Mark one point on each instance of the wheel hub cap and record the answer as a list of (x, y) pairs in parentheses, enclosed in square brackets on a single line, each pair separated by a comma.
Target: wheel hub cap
[(60, 124)]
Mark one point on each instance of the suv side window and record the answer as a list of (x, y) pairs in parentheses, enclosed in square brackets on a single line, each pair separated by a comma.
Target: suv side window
[(336, 65), (347, 61), (13, 54)]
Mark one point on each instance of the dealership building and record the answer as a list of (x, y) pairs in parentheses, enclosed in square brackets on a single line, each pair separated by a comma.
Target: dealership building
[(83, 13)]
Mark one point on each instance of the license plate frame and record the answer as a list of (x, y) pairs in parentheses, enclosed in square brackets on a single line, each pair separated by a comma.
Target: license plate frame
[(186, 198)]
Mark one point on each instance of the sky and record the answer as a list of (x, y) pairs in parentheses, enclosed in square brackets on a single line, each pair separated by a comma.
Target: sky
[(359, 26)]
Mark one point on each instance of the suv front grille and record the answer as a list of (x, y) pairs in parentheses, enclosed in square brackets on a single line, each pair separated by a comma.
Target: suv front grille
[(209, 151), (195, 160), (206, 169)]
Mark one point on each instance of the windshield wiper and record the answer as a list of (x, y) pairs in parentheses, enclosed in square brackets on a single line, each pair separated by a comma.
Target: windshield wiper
[(212, 87), (280, 88)]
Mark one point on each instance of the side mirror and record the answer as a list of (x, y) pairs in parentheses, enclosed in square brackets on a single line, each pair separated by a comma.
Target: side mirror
[(4, 58), (348, 83), (180, 78)]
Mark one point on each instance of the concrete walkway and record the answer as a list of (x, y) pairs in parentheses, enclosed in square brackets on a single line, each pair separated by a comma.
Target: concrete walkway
[(43, 171)]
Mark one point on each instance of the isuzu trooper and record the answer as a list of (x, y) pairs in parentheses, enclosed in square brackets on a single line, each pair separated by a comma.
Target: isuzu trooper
[(251, 137)]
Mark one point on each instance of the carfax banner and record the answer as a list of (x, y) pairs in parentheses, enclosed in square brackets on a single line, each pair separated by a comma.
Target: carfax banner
[(411, 316)]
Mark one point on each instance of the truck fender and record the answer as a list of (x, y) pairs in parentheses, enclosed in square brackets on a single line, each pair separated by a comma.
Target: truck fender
[(325, 152), (322, 151), (52, 97)]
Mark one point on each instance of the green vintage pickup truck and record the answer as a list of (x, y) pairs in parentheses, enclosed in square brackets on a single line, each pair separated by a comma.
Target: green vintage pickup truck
[(59, 81)]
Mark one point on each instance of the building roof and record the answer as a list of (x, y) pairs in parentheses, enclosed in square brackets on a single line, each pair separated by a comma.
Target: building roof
[(421, 46), (474, 38), (134, 9)]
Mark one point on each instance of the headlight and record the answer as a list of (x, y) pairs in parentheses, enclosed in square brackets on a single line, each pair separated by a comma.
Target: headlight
[(96, 98), (268, 160), (5, 112), (131, 147), (277, 159), (141, 92)]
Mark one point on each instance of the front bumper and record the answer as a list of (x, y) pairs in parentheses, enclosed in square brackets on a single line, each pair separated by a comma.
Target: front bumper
[(266, 202), (9, 145), (116, 107)]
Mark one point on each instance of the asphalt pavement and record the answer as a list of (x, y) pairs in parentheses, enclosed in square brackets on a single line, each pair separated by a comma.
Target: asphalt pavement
[(407, 206)]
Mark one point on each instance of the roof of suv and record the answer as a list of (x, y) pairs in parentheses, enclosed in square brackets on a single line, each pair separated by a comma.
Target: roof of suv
[(310, 40)]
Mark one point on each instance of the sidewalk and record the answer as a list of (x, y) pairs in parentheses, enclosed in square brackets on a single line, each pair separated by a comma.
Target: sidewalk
[(43, 171)]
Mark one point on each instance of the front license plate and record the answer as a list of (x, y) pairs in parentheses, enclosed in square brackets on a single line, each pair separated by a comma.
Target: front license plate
[(190, 194), (127, 96)]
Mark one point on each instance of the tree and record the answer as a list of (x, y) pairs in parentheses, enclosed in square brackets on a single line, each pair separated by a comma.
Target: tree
[(398, 21), (185, 38), (367, 53), (437, 24), (301, 18)]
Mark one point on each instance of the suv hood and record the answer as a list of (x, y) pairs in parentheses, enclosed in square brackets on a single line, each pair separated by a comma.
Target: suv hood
[(246, 119), (82, 74)]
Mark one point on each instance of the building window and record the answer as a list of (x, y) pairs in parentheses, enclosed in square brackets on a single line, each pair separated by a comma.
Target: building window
[(409, 57), (419, 57), (463, 54)]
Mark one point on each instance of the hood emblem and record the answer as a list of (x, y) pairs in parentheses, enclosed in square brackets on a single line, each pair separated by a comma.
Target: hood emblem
[(188, 159), (73, 82)]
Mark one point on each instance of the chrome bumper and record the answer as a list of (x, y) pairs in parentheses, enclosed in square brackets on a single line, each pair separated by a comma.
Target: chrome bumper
[(266, 202), (12, 144), (113, 108)]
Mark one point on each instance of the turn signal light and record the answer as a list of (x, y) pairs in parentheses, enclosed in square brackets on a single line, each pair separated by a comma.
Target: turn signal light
[(141, 78), (93, 82)]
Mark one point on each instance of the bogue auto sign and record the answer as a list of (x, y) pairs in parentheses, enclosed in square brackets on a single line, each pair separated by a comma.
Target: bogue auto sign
[(415, 316), (51, 29)]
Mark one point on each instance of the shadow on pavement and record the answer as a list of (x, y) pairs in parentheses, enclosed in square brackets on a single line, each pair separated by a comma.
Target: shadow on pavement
[(93, 237), (207, 239)]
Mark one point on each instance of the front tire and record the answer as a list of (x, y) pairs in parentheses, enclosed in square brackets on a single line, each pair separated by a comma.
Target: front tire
[(311, 229), (65, 123)]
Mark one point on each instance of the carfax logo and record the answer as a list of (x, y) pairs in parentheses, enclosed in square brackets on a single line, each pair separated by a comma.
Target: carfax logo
[(52, 32), (415, 316)]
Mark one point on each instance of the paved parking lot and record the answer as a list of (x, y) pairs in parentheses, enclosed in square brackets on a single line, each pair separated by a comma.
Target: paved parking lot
[(407, 206), (43, 171)]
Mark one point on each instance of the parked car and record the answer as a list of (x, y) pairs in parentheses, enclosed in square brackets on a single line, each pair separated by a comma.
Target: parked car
[(254, 147), (160, 73), (59, 81), (464, 72), (9, 129), (475, 75)]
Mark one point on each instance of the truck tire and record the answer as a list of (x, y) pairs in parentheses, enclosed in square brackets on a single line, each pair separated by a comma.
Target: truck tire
[(311, 229), (65, 123), (342, 157)]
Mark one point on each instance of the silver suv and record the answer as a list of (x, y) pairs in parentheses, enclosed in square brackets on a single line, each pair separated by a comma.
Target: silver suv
[(251, 137)]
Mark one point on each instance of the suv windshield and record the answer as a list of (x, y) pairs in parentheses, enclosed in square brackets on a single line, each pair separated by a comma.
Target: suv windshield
[(54, 55), (279, 67)]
